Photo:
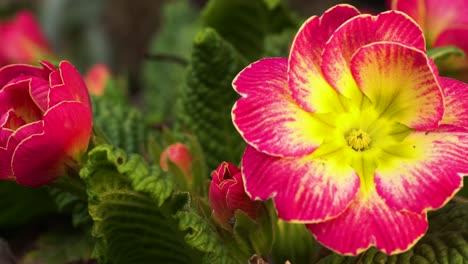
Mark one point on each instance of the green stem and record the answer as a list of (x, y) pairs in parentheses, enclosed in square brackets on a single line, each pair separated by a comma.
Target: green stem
[(73, 184)]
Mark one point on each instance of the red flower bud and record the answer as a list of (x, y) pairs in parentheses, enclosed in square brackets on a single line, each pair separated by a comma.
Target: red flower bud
[(227, 195), (45, 121), (178, 154)]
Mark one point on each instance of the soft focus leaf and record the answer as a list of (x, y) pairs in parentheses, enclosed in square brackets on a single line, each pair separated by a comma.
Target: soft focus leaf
[(446, 242), (208, 97), (162, 77), (61, 245), (21, 205), (442, 53)]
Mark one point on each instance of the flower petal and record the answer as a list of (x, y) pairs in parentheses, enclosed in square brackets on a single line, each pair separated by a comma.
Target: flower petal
[(306, 82), (40, 158), (370, 222), (357, 32), (71, 87), (427, 172), (400, 83), (456, 102), (16, 96), (5, 156), (416, 9), (14, 71), (304, 190), (266, 115), (237, 198)]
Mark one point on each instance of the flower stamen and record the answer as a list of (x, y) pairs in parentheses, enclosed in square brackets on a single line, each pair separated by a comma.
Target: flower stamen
[(358, 140)]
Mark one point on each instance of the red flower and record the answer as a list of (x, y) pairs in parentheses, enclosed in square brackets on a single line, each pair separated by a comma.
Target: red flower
[(46, 120), (227, 195), (178, 154), (22, 40)]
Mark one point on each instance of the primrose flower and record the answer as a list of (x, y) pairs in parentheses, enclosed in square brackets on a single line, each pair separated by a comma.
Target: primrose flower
[(22, 40), (46, 120), (227, 195), (444, 23), (354, 134)]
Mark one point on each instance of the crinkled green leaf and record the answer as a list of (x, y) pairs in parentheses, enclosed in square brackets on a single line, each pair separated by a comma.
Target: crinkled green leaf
[(136, 212), (162, 76), (122, 125), (20, 205), (208, 97), (446, 242)]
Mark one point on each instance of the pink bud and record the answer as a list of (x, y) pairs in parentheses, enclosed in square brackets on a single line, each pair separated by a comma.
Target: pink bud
[(178, 154), (227, 195), (96, 79)]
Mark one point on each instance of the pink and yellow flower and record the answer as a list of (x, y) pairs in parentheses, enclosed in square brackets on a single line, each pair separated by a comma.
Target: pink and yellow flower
[(354, 134), (22, 40), (444, 23), (46, 120), (227, 195)]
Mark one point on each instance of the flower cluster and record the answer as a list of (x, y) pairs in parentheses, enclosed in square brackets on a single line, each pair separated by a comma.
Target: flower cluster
[(355, 134)]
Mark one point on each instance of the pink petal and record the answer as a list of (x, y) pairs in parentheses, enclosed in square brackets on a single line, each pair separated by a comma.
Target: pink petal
[(5, 157), (267, 117), (39, 159), (237, 198), (428, 173), (456, 102), (306, 82), (11, 120), (367, 222), (71, 87), (400, 83), (39, 91), (360, 31), (14, 71), (16, 96), (303, 189), (218, 203)]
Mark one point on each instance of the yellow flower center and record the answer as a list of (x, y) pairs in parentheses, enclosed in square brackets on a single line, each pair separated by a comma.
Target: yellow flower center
[(358, 140)]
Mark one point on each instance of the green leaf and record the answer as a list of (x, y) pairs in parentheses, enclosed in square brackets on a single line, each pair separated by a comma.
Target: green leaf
[(246, 23), (61, 245), (442, 53), (20, 205), (162, 77), (136, 212), (208, 97), (446, 242), (294, 243), (122, 125)]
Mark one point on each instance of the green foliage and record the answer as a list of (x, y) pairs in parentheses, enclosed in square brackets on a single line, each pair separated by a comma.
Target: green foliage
[(162, 77), (21, 205), (446, 242), (294, 243), (208, 97), (61, 245), (246, 23), (135, 212), (120, 124), (442, 53)]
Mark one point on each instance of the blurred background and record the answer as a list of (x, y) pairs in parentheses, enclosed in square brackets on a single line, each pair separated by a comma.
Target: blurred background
[(120, 33)]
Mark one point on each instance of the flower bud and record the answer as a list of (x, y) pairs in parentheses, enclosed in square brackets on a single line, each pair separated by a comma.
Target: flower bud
[(97, 78), (178, 154), (227, 195)]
